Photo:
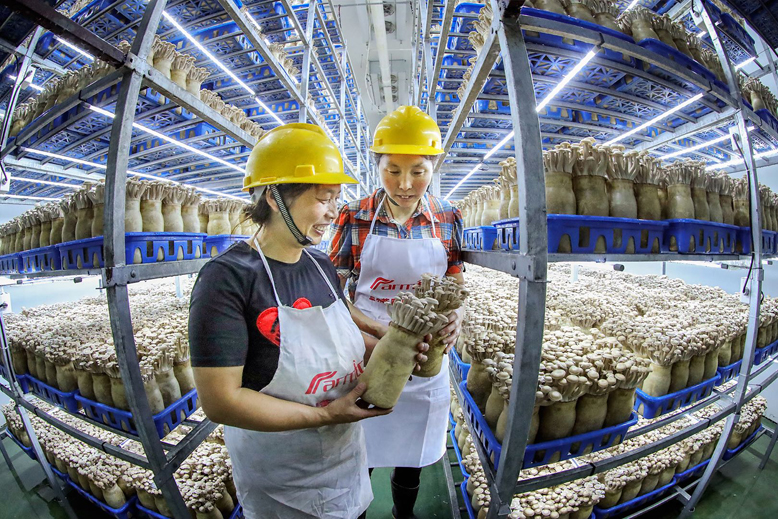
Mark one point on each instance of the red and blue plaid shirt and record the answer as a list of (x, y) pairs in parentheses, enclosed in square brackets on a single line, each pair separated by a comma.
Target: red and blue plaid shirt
[(352, 226)]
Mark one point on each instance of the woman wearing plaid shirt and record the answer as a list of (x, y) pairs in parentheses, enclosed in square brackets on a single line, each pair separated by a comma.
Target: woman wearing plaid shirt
[(382, 245)]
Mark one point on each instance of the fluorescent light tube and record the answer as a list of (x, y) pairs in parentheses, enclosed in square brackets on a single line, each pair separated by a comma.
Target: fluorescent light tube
[(31, 85), (655, 120), (463, 180), (569, 77), (135, 173), (73, 47), (6, 195)]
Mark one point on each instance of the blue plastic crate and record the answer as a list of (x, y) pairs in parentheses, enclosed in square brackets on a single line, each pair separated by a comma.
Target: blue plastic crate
[(21, 379), (236, 514), (9, 264), (743, 241), (691, 473), (39, 260), (29, 451), (60, 475), (139, 247), (644, 234), (651, 407), (680, 59), (738, 33), (215, 245), (480, 238), (729, 453), (172, 416), (125, 512), (466, 498), (541, 453), (52, 395), (727, 373), (458, 453), (560, 42), (762, 354), (700, 237), (768, 242), (462, 368), (622, 509), (768, 117)]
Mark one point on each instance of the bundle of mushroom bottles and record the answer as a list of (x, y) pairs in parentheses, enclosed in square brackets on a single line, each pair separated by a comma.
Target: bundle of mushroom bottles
[(619, 485), (69, 346), (204, 478), (150, 206), (605, 335)]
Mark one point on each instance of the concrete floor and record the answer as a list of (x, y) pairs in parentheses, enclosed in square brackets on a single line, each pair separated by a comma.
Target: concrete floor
[(739, 490)]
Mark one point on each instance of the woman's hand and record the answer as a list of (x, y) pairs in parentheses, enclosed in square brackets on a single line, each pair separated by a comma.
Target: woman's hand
[(346, 409), (422, 348), (450, 332)]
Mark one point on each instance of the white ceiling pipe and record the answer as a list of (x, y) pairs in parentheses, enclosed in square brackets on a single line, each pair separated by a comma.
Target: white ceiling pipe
[(376, 10)]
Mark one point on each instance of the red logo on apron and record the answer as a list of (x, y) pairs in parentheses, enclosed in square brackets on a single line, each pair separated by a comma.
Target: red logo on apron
[(267, 322)]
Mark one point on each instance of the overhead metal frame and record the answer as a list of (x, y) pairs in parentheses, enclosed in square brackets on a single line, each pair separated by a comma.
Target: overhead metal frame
[(331, 78)]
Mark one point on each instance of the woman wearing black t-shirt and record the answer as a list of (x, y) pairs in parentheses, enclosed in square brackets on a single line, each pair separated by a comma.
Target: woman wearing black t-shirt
[(276, 355)]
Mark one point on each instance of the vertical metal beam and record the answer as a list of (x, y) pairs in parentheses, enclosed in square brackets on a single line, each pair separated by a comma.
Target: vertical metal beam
[(17, 88), (532, 289), (306, 72), (343, 105), (448, 16), (743, 140), (114, 253), (769, 451)]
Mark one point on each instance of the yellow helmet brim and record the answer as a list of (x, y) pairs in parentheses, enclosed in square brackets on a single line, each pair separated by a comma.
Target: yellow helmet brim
[(406, 149), (319, 178)]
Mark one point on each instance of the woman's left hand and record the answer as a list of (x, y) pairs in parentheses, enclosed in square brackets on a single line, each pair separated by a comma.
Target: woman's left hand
[(450, 332)]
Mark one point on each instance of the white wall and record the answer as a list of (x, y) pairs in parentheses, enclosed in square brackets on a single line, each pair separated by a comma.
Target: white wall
[(11, 211)]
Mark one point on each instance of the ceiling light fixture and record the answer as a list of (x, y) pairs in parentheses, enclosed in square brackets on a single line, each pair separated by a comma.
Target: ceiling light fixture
[(466, 177), (73, 47), (551, 95), (45, 182), (630, 6), (135, 173), (700, 146), (655, 120), (744, 63), (31, 85), (170, 140), (21, 197)]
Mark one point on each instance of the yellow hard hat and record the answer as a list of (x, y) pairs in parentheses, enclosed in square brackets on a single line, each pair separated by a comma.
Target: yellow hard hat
[(407, 131), (296, 153)]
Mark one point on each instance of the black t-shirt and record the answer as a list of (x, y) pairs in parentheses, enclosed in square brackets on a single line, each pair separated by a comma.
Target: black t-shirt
[(233, 319)]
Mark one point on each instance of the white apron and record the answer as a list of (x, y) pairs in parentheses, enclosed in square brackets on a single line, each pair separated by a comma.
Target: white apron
[(414, 434), (322, 472)]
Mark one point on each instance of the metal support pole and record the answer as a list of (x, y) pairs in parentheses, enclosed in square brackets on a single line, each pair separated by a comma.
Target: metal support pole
[(532, 289), (306, 72), (343, 106), (743, 140), (769, 451), (117, 295), (17, 88)]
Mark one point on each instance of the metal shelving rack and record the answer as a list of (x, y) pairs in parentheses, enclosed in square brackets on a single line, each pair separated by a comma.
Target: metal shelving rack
[(111, 147), (472, 160)]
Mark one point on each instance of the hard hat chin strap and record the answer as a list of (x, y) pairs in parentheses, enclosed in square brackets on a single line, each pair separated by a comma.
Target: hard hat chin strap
[(299, 236)]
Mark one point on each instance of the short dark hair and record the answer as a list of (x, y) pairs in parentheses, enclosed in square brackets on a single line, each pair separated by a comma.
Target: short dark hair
[(259, 212)]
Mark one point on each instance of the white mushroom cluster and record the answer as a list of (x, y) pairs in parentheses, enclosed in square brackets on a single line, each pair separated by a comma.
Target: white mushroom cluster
[(204, 478), (70, 346)]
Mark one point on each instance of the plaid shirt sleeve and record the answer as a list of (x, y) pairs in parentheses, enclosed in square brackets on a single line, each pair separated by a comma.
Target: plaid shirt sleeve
[(341, 251), (455, 263)]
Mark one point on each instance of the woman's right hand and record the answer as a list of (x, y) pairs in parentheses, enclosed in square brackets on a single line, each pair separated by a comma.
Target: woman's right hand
[(346, 410)]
